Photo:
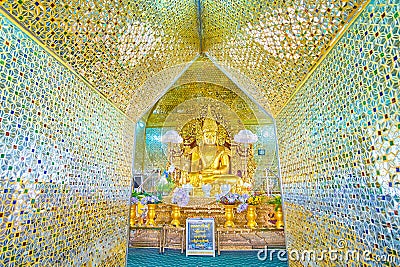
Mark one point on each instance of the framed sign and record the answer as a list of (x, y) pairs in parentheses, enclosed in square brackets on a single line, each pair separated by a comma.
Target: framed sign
[(200, 236)]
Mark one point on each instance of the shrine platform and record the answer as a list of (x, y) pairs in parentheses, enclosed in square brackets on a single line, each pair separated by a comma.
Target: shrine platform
[(240, 237)]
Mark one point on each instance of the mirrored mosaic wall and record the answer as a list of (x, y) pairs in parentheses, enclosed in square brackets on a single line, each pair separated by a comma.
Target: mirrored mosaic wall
[(339, 146), (65, 156), (265, 156)]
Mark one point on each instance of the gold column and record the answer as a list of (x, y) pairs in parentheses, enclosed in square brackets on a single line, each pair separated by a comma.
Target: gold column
[(229, 216), (251, 216), (175, 214), (151, 214)]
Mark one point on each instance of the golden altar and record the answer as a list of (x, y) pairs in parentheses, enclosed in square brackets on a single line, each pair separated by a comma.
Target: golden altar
[(240, 237)]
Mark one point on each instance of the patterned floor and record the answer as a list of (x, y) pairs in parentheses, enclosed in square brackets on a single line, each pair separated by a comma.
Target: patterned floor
[(145, 257)]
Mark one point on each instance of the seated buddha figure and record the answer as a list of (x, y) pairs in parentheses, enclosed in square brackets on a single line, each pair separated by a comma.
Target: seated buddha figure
[(210, 163)]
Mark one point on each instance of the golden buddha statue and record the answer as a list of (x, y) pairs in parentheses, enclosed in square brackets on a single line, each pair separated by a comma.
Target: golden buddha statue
[(210, 163)]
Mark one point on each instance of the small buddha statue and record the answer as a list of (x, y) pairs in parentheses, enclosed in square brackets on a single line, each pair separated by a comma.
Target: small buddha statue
[(210, 163)]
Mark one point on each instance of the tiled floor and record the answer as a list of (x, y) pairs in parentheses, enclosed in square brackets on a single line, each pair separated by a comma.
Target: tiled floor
[(150, 257)]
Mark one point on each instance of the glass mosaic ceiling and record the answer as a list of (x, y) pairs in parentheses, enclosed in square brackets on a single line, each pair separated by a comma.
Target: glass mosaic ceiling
[(274, 43), (118, 45), (115, 45)]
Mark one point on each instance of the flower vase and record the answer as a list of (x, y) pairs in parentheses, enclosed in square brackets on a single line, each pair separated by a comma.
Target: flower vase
[(229, 216), (132, 220), (151, 214), (251, 216), (175, 214), (279, 217)]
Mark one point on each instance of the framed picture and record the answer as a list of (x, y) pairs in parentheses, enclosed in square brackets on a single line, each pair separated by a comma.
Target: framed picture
[(200, 237)]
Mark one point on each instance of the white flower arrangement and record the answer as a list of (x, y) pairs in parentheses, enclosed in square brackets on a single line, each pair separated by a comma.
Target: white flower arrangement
[(180, 197)]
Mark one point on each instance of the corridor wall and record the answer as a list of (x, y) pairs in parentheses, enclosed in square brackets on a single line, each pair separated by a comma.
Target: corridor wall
[(65, 156), (339, 140)]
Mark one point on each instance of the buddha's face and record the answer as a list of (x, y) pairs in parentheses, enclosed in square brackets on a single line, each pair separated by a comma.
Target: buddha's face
[(210, 137)]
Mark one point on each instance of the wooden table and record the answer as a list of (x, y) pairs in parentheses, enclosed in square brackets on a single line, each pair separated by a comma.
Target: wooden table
[(168, 229), (246, 238), (228, 230), (160, 230)]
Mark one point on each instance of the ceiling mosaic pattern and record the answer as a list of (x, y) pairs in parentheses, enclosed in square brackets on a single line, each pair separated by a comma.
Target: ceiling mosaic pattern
[(190, 91), (154, 88), (204, 70), (115, 45), (274, 43), (119, 45), (199, 78)]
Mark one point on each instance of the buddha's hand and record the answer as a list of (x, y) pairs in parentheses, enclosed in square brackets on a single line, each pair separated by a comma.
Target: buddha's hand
[(211, 172), (217, 172), (207, 172)]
